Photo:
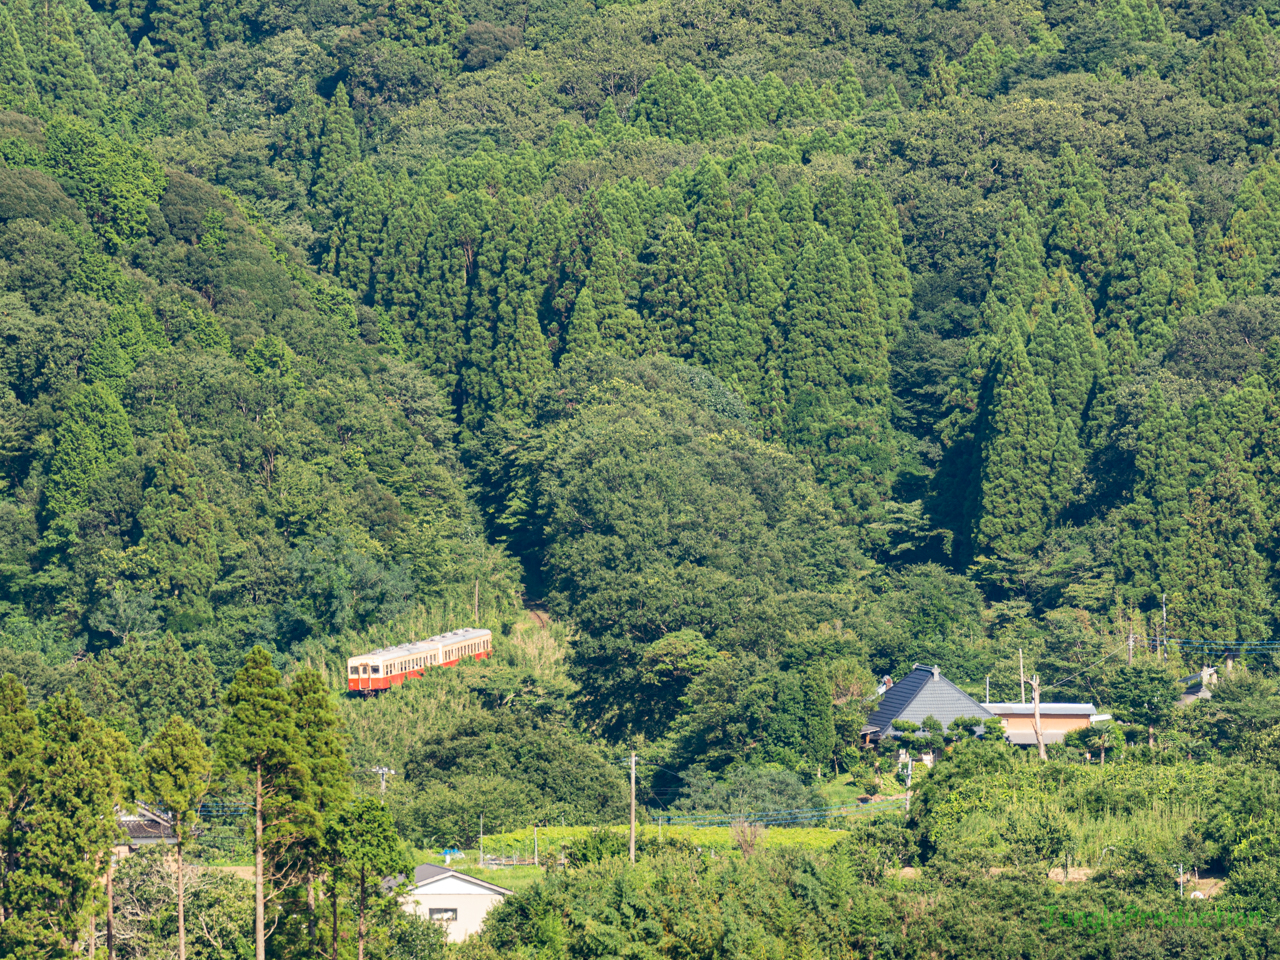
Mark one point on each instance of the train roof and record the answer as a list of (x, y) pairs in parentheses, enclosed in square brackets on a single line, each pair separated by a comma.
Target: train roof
[(421, 646)]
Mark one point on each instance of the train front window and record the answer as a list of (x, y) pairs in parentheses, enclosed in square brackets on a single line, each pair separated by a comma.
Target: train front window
[(355, 671)]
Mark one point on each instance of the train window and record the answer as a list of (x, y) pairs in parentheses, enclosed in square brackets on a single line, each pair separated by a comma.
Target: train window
[(355, 671), (376, 668)]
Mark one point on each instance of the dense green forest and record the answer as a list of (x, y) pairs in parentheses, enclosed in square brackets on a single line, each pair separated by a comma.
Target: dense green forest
[(723, 359)]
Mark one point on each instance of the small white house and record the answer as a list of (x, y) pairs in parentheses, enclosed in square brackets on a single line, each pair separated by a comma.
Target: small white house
[(454, 899)]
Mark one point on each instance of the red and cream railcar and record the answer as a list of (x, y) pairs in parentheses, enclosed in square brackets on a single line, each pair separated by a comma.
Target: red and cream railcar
[(383, 669)]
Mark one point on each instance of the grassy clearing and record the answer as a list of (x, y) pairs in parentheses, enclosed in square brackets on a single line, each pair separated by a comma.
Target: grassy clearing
[(383, 727), (552, 840)]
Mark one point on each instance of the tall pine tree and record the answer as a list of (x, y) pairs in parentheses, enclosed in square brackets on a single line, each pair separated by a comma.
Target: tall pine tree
[(260, 750), (1017, 455), (179, 540)]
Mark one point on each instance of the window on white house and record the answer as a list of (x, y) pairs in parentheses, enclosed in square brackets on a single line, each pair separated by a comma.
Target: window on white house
[(443, 913)]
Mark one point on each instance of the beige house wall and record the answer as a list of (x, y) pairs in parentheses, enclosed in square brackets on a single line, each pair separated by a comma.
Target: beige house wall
[(1057, 725), (472, 909)]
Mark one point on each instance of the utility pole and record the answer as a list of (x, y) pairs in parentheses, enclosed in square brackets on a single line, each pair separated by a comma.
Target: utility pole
[(988, 688), (535, 845), (633, 807), (476, 608), (1164, 624), (482, 840), (383, 772), (1035, 711), (1131, 639), (1022, 677)]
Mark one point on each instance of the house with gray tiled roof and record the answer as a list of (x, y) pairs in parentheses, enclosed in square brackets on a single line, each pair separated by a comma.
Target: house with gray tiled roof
[(924, 692)]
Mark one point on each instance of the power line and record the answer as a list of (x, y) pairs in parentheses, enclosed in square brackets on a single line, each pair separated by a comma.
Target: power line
[(1090, 666)]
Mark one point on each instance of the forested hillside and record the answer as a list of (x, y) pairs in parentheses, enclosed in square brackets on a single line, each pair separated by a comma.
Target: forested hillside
[(767, 349)]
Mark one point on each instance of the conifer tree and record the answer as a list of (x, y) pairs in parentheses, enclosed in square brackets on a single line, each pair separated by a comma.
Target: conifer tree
[(736, 115), (710, 202), (77, 781), (20, 747), (149, 79), (819, 713), (980, 67), (1157, 285), (302, 129), (771, 94), (1117, 370), (850, 99), (129, 327), (107, 364), (137, 685), (1225, 596), (608, 125), (177, 522), (1212, 292), (1233, 260), (401, 284), (620, 327), (329, 772), (879, 238), (1152, 546), (58, 64), (524, 360), (1019, 270), (709, 290), (584, 327), (834, 210), (1082, 234), (1017, 455), (1256, 225), (1235, 65), (93, 435), (759, 272), (1076, 359), (669, 293), (942, 84), (713, 119), (339, 148), (1016, 280), (178, 766), (801, 102), (24, 24), (685, 119), (357, 244), (16, 86), (183, 101), (107, 48), (733, 347), (1067, 468), (796, 210), (260, 749), (363, 849), (835, 342), (177, 30)]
